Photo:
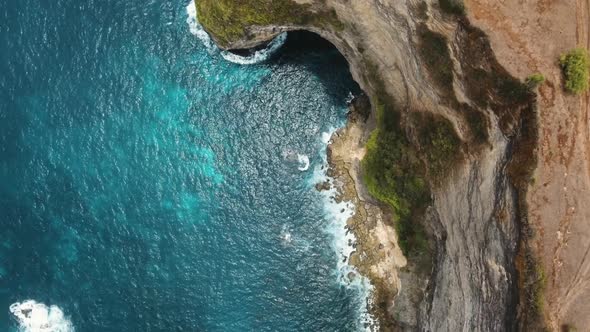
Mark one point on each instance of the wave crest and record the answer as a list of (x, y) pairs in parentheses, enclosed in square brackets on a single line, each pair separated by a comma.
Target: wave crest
[(257, 57), (37, 317), (337, 214), (196, 28), (303, 161)]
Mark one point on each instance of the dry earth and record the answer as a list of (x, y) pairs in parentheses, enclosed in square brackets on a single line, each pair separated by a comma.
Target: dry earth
[(528, 37)]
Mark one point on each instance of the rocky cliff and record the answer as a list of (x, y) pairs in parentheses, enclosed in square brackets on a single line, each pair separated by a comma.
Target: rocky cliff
[(529, 37), (463, 135)]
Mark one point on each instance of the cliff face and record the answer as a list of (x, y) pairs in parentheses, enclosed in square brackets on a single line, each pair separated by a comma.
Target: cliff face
[(420, 62)]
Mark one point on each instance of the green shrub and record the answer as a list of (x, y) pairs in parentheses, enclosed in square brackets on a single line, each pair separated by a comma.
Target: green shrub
[(455, 7), (538, 288), (392, 173), (575, 65), (392, 169), (535, 80), (434, 52), (227, 20), (569, 328), (438, 142)]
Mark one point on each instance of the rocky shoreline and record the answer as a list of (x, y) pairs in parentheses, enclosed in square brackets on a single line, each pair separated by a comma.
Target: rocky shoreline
[(377, 254), (454, 110)]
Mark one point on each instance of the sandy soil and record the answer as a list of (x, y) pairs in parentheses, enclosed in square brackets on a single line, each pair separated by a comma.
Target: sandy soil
[(528, 37)]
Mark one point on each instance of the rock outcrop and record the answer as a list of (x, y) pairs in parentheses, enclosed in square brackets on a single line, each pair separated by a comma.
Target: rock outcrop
[(426, 58)]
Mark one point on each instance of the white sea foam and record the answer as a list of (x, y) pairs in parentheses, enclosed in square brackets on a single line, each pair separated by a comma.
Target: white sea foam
[(286, 235), (37, 317), (349, 98), (258, 56), (337, 214), (326, 136), (196, 28), (303, 161)]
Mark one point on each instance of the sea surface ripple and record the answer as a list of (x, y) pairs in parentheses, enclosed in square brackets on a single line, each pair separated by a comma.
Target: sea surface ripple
[(148, 184)]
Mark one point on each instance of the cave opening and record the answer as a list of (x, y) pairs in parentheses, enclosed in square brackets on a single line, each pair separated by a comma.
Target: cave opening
[(316, 54)]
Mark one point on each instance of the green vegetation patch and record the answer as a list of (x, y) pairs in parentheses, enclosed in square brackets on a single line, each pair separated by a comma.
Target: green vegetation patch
[(435, 54), (576, 69), (454, 7), (569, 328), (439, 143), (478, 123), (395, 171), (392, 173), (535, 80), (227, 20), (532, 286)]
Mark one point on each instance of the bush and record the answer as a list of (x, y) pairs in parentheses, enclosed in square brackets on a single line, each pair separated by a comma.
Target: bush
[(392, 173), (227, 20), (456, 7), (434, 52), (438, 142), (575, 65), (535, 80)]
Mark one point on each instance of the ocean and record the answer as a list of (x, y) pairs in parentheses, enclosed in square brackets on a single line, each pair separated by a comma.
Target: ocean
[(150, 182)]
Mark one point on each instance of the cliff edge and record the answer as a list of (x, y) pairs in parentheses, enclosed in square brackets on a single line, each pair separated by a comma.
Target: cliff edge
[(530, 37), (459, 167)]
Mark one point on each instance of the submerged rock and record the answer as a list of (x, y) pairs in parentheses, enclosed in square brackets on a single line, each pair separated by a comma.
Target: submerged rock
[(323, 186)]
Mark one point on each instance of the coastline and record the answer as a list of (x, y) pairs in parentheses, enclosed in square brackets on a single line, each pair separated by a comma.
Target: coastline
[(430, 60), (376, 254), (372, 250)]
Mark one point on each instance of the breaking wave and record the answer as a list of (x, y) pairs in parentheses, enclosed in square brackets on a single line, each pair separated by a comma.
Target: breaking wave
[(337, 215), (303, 161), (257, 57), (37, 317), (286, 235), (196, 28)]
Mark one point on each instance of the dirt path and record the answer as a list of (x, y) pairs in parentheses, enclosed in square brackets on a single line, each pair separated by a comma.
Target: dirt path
[(580, 281)]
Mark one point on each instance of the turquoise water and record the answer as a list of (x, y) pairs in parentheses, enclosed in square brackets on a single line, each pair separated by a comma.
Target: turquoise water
[(147, 184)]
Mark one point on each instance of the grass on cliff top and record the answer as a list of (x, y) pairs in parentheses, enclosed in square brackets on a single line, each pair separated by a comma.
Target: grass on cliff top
[(534, 80), (576, 69), (227, 20)]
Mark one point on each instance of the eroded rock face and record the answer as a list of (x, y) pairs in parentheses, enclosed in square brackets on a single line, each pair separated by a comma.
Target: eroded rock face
[(474, 223), (473, 219)]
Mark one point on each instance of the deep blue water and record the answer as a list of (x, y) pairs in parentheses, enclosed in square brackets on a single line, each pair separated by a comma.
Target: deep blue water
[(146, 184)]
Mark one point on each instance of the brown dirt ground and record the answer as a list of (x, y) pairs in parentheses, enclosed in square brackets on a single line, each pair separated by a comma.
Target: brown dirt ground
[(528, 36)]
